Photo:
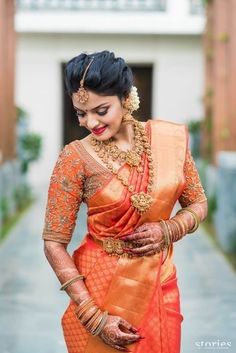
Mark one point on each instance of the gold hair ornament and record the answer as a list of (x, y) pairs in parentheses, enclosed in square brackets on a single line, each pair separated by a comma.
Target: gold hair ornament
[(82, 95)]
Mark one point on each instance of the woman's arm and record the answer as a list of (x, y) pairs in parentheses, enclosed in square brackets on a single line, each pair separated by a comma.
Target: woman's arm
[(64, 199), (64, 268), (200, 208)]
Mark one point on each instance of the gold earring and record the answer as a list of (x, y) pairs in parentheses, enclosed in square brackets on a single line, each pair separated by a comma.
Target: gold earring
[(131, 103), (127, 119)]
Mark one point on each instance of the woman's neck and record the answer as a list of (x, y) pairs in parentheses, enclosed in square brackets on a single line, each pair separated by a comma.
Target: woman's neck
[(125, 136)]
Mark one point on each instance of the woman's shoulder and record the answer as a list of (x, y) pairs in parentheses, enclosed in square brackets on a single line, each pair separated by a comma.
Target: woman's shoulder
[(158, 121), (167, 126), (70, 155)]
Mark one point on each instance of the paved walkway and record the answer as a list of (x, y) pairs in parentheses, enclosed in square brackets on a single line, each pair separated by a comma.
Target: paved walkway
[(31, 303)]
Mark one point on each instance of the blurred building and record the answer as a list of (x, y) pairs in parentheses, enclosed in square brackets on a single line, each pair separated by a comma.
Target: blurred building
[(220, 92), (160, 39), (9, 168), (7, 70)]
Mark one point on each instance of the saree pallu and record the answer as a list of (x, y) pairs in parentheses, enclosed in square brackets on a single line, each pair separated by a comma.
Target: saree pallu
[(142, 290)]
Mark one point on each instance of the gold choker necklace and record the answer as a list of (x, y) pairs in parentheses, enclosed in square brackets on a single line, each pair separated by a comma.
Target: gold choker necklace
[(107, 149)]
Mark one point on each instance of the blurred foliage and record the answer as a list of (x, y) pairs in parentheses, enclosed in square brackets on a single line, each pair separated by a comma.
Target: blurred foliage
[(22, 195), (194, 127), (29, 144), (207, 2), (4, 208), (19, 195)]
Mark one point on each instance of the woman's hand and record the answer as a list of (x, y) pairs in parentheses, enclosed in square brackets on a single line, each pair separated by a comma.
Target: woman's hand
[(148, 239), (117, 333)]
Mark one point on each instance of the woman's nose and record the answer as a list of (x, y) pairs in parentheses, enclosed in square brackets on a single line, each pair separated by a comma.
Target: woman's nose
[(92, 123)]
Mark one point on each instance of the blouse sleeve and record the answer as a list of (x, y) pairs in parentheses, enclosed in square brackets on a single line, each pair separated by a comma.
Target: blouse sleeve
[(65, 195), (193, 190)]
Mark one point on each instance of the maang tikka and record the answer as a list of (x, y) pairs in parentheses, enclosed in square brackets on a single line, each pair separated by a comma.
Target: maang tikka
[(82, 95)]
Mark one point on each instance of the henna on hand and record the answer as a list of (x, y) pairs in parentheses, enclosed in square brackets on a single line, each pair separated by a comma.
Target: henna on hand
[(117, 333), (148, 239), (65, 269)]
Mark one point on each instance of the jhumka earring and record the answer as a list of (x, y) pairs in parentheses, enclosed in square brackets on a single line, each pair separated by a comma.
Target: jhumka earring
[(82, 94), (131, 104)]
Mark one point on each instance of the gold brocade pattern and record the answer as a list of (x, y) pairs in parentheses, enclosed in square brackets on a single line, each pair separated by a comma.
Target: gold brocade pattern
[(193, 190)]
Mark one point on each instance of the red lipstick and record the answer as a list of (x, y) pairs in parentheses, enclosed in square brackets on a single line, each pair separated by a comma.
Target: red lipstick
[(99, 131)]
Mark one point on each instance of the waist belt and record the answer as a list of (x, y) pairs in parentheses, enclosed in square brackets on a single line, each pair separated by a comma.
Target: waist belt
[(113, 246)]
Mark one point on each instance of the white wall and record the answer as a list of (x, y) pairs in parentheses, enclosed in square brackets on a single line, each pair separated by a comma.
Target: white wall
[(177, 84), (176, 19)]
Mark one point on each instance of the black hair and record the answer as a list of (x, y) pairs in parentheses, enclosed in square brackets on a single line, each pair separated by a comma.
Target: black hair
[(107, 75)]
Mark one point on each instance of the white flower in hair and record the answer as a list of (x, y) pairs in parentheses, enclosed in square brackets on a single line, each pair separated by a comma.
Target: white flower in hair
[(134, 97), (132, 102)]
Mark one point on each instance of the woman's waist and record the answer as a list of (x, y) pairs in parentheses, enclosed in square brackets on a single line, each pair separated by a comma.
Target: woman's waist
[(116, 247)]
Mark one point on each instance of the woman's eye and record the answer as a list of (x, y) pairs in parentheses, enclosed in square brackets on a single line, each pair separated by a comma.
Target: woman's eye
[(79, 115), (102, 112)]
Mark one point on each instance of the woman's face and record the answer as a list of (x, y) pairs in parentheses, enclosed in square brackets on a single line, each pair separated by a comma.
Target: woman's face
[(100, 112)]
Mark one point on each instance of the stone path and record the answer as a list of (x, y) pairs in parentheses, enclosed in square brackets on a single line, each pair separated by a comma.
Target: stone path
[(31, 304)]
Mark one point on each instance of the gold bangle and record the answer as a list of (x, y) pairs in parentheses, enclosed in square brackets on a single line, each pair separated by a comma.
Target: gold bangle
[(181, 222), (102, 324), (195, 217), (181, 227), (95, 325), (71, 281), (165, 232), (91, 325), (169, 230), (88, 315), (80, 310), (177, 228)]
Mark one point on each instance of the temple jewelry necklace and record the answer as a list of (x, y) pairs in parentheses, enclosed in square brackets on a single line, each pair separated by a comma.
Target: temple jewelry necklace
[(104, 149)]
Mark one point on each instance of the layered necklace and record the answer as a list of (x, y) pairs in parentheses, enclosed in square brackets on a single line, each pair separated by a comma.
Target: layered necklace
[(108, 150)]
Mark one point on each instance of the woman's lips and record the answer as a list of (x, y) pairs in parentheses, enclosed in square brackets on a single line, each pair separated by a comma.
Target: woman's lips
[(100, 130)]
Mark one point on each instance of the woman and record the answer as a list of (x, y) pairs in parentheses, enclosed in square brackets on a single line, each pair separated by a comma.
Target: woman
[(121, 280)]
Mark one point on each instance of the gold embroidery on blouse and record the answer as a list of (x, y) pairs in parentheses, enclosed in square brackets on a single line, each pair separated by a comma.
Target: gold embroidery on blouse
[(92, 184), (64, 196), (193, 190), (76, 177)]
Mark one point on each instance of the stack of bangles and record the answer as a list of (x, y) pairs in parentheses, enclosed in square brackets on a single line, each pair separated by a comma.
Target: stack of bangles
[(174, 229), (87, 312), (91, 316)]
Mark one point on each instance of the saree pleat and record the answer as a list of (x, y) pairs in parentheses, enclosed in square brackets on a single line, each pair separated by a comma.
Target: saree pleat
[(142, 290)]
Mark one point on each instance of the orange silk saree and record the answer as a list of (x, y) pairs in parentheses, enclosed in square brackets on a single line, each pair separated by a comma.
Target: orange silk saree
[(142, 290)]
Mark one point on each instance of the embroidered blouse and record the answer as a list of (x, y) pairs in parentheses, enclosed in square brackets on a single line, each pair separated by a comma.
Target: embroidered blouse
[(77, 176)]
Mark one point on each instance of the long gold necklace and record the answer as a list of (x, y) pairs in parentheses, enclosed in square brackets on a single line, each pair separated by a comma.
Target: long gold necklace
[(105, 149)]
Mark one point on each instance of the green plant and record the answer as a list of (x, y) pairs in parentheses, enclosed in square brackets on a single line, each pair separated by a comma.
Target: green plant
[(28, 143), (31, 146), (4, 208), (207, 2), (212, 206), (22, 196), (194, 127)]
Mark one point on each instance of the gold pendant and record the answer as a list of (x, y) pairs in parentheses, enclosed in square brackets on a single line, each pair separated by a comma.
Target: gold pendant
[(141, 201), (82, 95), (132, 159)]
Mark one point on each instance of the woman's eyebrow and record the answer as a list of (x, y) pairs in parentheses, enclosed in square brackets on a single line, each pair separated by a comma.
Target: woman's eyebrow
[(100, 105)]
